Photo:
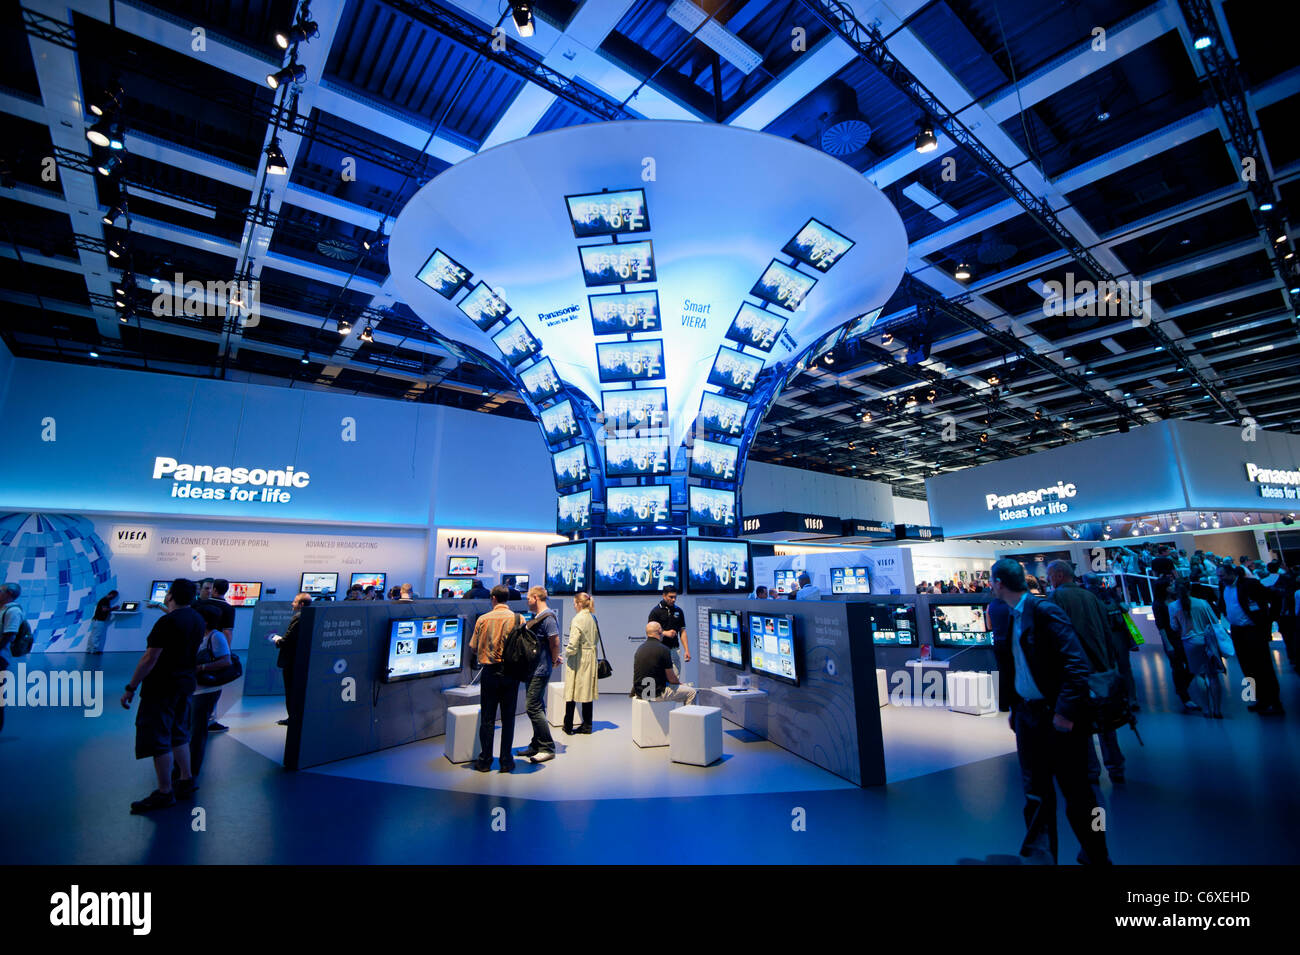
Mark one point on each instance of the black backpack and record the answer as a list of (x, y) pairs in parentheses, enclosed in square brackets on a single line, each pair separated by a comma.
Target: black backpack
[(521, 652)]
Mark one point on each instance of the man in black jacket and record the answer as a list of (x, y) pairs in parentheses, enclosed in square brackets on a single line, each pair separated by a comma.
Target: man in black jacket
[(1043, 677), (288, 644), (1244, 601)]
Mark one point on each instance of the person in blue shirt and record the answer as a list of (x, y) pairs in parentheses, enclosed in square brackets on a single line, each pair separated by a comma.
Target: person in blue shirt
[(806, 589)]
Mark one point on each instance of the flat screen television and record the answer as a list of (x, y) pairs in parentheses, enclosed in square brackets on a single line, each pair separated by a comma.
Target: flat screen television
[(636, 457), (458, 586), (566, 568), (621, 313), (722, 414), (960, 625), (714, 461), (423, 647), (850, 580), (784, 581), (573, 513), (622, 263), (774, 649), (756, 328), (129, 606), (893, 625), (244, 593), (630, 506), (608, 213), (825, 344), (443, 274), (315, 582), (861, 325), (559, 424), (726, 639), (364, 580), (517, 343), (630, 361), (540, 381), (571, 466), (636, 565), (518, 581), (717, 566), (634, 409), (158, 591), (818, 245), (735, 370), (483, 306), (463, 566), (783, 286), (710, 507)]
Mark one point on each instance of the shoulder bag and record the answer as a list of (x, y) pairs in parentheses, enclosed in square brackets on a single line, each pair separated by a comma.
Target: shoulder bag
[(603, 667)]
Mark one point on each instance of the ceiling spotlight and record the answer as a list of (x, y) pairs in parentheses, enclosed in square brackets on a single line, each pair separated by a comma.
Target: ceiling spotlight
[(886, 338), (984, 437), (109, 100), (375, 245), (930, 395), (1107, 528), (300, 31), (1246, 518), (873, 449), (866, 416), (994, 380), (963, 272), (1105, 537), (101, 133), (115, 250), (829, 359), (1102, 115), (1136, 531), (1266, 207), (910, 402), (111, 215), (852, 446), (1280, 239), (1038, 414), (368, 333), (293, 73), (345, 327), (124, 318), (522, 12), (94, 354), (276, 164), (1202, 41), (925, 139), (306, 358), (109, 166)]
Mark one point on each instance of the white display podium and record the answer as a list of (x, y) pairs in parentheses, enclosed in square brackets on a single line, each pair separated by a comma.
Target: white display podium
[(695, 735), (462, 743), (972, 692), (650, 721)]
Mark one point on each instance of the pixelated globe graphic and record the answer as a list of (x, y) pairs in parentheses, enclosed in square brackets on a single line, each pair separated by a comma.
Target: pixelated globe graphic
[(62, 566)]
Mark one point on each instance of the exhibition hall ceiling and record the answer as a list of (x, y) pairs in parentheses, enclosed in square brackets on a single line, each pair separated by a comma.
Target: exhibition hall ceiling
[(1153, 144)]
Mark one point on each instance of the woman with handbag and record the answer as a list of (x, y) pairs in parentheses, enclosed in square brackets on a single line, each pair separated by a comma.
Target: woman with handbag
[(580, 665), (1197, 623), (212, 657)]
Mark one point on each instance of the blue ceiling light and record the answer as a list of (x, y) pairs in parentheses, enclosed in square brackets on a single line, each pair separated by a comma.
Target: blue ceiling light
[(1202, 41), (293, 73), (1266, 207)]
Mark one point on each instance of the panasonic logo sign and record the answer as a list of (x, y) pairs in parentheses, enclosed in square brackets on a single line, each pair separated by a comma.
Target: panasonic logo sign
[(1268, 476), (219, 483), (1021, 498)]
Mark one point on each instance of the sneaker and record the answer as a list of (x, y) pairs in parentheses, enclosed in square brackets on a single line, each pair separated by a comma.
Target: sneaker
[(185, 788), (530, 752), (215, 727), (508, 767), (542, 756), (155, 800), (483, 766)]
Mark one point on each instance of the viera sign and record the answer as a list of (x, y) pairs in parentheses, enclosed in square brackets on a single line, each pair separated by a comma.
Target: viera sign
[(1036, 502), (220, 483), (1276, 485)]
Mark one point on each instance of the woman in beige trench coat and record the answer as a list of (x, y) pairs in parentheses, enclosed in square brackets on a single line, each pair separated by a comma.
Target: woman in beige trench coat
[(580, 665)]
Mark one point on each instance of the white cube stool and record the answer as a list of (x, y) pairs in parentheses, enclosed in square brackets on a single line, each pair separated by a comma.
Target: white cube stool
[(971, 692), (882, 687), (462, 733), (695, 735), (555, 703), (650, 721)]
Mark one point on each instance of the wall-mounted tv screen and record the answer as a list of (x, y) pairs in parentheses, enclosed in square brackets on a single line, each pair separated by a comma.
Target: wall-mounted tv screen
[(566, 568), (717, 566), (634, 565), (850, 580), (559, 423), (722, 414), (244, 593), (463, 566), (893, 625), (608, 213), (774, 647), (517, 581), (364, 580), (540, 381), (618, 264), (443, 274), (636, 457), (620, 313), (458, 586), (630, 361), (960, 625), (818, 245), (735, 370), (825, 344), (573, 513), (629, 506), (784, 581), (861, 325), (483, 306), (783, 286), (726, 639), (424, 647), (714, 461), (516, 342), (710, 507), (756, 328), (314, 582), (571, 466), (634, 409), (158, 591)]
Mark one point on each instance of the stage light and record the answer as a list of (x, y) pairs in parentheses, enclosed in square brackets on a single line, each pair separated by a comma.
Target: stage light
[(115, 250), (925, 139), (873, 449), (984, 437), (109, 166), (94, 354), (293, 73), (305, 359), (111, 215), (963, 272), (300, 31), (99, 133), (345, 327), (110, 99), (276, 164), (1280, 239), (1266, 207), (1202, 41), (994, 380), (886, 338), (522, 13), (866, 416), (375, 245), (368, 333)]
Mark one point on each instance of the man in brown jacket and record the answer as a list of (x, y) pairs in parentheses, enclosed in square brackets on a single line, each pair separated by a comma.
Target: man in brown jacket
[(496, 690)]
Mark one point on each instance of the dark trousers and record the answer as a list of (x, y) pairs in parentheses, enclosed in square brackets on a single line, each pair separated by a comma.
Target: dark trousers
[(1289, 627), (1110, 754), (1256, 659), (535, 707), (287, 675), (204, 705), (1178, 665), (1050, 758), (497, 691), (568, 715)]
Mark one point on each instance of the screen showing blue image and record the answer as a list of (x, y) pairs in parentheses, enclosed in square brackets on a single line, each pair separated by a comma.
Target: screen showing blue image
[(571, 466), (861, 325), (726, 639), (710, 507), (717, 566), (634, 409), (722, 414), (818, 245), (850, 580), (574, 513), (635, 566), (893, 625), (623, 263), (756, 328), (735, 370), (636, 457), (714, 461), (620, 313), (454, 586), (158, 591), (825, 344), (316, 582), (463, 566), (783, 286), (608, 213), (443, 274), (483, 306), (960, 625), (516, 342), (424, 647), (559, 423), (540, 381), (630, 361), (630, 506), (566, 568), (773, 650), (785, 580)]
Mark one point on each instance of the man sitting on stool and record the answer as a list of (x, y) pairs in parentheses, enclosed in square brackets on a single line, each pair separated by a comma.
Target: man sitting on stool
[(653, 675)]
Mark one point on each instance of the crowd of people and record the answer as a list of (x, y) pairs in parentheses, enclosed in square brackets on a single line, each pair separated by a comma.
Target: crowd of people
[(952, 587)]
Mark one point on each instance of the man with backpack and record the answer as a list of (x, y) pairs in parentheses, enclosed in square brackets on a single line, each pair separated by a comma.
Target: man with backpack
[(497, 689), (545, 630), (15, 634)]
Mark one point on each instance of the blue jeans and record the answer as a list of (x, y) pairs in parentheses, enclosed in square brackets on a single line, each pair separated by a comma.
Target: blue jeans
[(535, 707)]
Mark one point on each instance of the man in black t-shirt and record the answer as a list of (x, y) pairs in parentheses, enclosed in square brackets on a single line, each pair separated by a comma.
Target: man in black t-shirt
[(165, 679), (672, 621), (653, 675)]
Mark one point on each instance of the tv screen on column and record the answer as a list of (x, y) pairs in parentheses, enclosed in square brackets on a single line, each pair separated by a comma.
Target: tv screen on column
[(630, 361), (756, 328), (608, 213), (632, 565), (850, 580), (483, 307), (960, 625), (566, 568), (443, 274), (571, 467), (714, 461), (722, 414), (424, 647), (726, 639), (620, 313), (623, 263), (516, 342), (783, 286), (540, 381), (774, 649), (559, 423), (710, 507), (633, 506), (636, 457), (574, 513), (717, 566), (639, 409), (818, 245), (734, 370)]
